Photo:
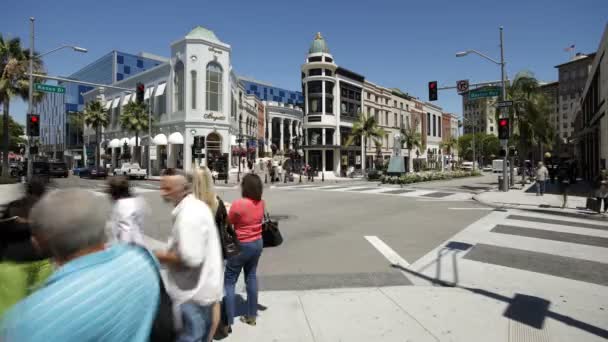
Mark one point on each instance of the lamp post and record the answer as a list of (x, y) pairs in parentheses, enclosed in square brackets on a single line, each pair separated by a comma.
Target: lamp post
[(30, 105), (239, 140), (503, 97)]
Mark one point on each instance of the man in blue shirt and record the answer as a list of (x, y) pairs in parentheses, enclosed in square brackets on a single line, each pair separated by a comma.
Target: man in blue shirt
[(98, 293)]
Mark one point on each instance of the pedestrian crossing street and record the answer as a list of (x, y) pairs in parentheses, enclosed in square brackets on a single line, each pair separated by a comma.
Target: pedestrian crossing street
[(516, 249), (368, 189)]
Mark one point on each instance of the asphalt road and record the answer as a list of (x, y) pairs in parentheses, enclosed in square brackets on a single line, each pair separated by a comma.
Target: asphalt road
[(325, 232)]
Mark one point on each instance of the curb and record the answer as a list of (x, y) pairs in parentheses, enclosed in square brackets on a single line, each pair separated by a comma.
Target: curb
[(542, 211)]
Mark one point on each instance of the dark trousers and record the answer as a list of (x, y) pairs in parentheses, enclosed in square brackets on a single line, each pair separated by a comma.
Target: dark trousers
[(599, 204), (246, 260)]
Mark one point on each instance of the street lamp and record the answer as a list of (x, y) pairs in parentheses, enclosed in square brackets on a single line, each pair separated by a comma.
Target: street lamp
[(31, 85), (503, 96), (239, 140)]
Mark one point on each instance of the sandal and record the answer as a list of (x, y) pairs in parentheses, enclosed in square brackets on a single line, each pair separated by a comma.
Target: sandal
[(248, 320)]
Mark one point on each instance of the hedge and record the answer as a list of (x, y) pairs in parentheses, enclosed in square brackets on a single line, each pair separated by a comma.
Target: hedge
[(410, 178)]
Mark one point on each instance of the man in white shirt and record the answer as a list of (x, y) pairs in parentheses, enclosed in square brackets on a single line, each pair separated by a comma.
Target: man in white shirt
[(127, 218), (195, 269)]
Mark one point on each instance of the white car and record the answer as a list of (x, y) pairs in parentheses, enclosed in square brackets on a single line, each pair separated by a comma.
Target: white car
[(131, 170), (468, 166)]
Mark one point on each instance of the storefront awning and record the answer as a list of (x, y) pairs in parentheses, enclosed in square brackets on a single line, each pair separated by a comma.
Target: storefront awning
[(132, 142), (160, 139), (114, 143), (148, 92), (108, 104), (160, 90), (115, 102), (176, 138)]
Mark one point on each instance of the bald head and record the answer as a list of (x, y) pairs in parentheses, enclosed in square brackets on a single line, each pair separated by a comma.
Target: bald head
[(174, 186), (67, 222)]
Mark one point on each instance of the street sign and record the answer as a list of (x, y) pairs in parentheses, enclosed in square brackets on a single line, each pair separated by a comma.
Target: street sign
[(49, 88), (462, 86), (504, 104), (484, 92)]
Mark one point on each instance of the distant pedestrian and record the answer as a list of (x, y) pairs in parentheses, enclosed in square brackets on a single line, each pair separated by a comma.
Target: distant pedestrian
[(194, 258), (98, 293), (563, 177), (246, 214), (541, 179), (127, 218), (601, 195)]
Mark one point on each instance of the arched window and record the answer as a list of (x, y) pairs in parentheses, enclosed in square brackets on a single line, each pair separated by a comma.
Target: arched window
[(214, 87), (193, 77), (178, 93)]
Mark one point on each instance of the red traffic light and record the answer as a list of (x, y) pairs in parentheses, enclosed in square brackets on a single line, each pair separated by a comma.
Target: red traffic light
[(33, 119), (503, 122), (432, 85), (140, 87)]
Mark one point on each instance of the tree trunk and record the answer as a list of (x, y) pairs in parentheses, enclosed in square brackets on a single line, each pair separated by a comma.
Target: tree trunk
[(410, 161), (97, 149), (137, 155), (364, 155), (5, 140)]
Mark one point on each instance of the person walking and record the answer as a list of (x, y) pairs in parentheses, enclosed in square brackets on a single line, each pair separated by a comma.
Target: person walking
[(563, 177), (193, 258), (246, 214), (541, 179), (99, 292), (127, 218), (602, 195)]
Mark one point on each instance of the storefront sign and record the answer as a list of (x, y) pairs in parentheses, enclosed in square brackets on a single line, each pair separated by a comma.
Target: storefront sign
[(152, 152), (214, 116), (358, 160)]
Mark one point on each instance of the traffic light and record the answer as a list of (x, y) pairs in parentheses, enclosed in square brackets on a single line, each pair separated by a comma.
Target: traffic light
[(139, 93), (503, 129), (433, 91), (502, 153), (33, 125)]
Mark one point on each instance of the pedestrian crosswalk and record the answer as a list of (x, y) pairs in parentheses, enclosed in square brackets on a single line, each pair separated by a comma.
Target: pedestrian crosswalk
[(368, 189), (513, 249)]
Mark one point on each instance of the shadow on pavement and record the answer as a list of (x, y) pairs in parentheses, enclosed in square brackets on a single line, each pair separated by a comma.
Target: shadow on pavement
[(528, 310)]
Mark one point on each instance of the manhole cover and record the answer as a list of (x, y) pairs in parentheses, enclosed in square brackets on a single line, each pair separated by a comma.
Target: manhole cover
[(280, 217)]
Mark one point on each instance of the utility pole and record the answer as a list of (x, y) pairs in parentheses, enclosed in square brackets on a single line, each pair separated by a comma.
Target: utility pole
[(149, 133), (504, 114), (30, 105)]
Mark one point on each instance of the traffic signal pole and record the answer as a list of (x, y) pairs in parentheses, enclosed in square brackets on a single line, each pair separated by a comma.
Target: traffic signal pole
[(30, 101), (504, 114)]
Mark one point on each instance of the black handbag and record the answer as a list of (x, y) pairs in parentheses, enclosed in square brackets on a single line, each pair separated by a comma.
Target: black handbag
[(228, 238), (271, 235)]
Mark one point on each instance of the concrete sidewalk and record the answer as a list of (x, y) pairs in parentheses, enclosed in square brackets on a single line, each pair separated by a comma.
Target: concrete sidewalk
[(406, 313), (10, 192), (550, 203)]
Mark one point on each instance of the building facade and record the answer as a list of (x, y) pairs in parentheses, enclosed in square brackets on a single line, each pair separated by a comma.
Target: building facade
[(267, 92), (592, 120), (572, 78), (551, 92), (479, 115), (60, 137)]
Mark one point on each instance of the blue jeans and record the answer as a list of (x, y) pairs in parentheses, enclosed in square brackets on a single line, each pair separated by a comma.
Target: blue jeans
[(247, 260), (196, 321), (540, 187)]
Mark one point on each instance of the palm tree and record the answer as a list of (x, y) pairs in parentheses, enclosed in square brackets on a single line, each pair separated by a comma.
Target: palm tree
[(134, 118), (14, 82), (366, 128), (412, 139), (96, 117)]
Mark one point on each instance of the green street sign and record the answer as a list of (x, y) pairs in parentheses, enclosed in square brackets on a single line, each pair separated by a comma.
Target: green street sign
[(49, 88), (484, 92)]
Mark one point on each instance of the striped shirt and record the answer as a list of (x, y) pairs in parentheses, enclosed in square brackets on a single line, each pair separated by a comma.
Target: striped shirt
[(111, 295)]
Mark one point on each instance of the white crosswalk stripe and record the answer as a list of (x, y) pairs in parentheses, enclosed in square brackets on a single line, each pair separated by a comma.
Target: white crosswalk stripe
[(369, 189)]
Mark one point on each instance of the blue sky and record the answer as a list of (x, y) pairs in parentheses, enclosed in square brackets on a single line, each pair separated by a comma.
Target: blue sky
[(397, 43)]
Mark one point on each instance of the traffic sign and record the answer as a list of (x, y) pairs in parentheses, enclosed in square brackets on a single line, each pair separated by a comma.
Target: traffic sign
[(462, 86), (49, 88), (484, 92), (504, 104)]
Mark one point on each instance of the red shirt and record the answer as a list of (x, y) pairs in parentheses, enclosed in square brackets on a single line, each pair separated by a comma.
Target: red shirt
[(246, 215)]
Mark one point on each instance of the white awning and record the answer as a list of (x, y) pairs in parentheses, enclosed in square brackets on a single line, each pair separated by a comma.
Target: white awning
[(108, 104), (148, 92), (115, 102), (115, 143), (132, 141), (126, 99), (176, 138), (160, 139), (160, 90)]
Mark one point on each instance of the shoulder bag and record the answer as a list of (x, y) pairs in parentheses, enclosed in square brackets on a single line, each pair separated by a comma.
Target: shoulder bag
[(271, 234), (228, 238)]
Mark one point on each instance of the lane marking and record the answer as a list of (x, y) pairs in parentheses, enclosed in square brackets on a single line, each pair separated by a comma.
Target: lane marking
[(471, 208), (387, 251)]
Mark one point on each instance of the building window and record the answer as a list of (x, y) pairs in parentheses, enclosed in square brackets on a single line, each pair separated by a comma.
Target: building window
[(140, 63), (394, 103), (214, 87), (434, 126), (387, 141), (178, 82), (193, 77), (314, 105), (328, 72), (386, 119), (315, 72), (120, 59), (315, 59), (127, 69), (329, 105), (315, 87), (395, 122), (377, 116), (119, 76), (428, 124)]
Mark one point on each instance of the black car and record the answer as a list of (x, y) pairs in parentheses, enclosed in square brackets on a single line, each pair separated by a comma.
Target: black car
[(40, 170), (58, 169), (93, 172)]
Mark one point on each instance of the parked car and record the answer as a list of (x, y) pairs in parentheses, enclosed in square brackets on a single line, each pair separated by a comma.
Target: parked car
[(93, 172), (58, 169), (131, 170), (487, 168), (468, 166), (40, 170)]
